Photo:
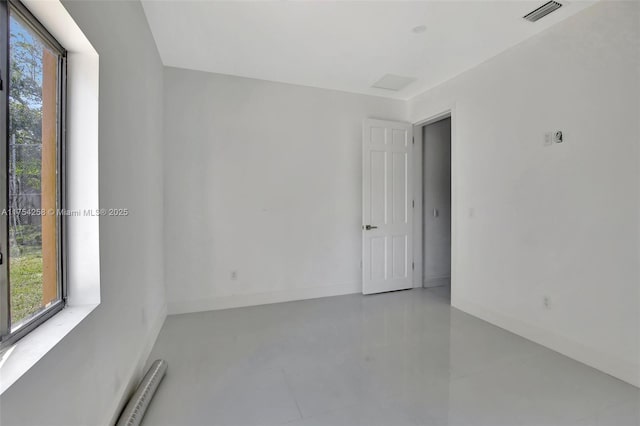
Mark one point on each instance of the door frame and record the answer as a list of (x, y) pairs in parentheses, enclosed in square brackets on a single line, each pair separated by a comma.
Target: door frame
[(418, 242)]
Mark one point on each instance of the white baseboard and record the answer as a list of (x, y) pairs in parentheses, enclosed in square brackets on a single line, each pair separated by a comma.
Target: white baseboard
[(137, 369), (436, 282), (621, 369), (241, 300)]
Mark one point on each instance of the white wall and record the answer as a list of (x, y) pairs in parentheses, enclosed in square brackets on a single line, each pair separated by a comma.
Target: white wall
[(561, 221), (265, 179), (83, 379)]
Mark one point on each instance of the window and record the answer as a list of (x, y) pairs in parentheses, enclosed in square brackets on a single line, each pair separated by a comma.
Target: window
[(32, 107)]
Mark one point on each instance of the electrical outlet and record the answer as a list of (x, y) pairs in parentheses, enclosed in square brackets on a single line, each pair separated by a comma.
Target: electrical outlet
[(548, 139), (234, 275), (547, 302)]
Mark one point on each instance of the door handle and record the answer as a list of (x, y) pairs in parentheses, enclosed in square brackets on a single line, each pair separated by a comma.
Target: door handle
[(370, 227)]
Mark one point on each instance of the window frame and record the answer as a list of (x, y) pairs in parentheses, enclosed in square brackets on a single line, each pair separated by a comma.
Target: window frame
[(7, 335)]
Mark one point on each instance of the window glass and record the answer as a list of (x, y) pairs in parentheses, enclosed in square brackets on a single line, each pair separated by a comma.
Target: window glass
[(32, 172)]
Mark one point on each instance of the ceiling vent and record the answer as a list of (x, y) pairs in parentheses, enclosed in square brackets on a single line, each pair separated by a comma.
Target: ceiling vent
[(542, 11), (393, 82)]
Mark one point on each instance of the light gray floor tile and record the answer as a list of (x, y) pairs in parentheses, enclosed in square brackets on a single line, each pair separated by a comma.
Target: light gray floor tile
[(396, 359)]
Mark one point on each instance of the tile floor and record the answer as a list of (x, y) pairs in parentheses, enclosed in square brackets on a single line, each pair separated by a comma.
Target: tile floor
[(395, 359)]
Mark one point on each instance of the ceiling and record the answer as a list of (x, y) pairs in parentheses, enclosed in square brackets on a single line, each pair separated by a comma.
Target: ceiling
[(342, 45)]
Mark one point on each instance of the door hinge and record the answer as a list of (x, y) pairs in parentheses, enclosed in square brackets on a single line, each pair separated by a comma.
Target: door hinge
[(413, 204), (413, 265), (413, 140)]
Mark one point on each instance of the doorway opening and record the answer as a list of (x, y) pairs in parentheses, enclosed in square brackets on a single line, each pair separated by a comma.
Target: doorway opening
[(435, 217)]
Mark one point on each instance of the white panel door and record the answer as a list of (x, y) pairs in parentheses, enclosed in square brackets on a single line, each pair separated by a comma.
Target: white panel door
[(387, 212)]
